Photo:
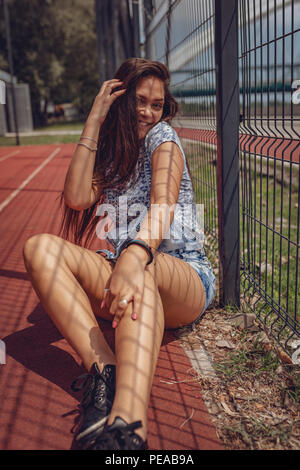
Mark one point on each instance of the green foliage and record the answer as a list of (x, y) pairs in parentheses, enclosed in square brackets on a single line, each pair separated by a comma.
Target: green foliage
[(253, 361), (54, 50)]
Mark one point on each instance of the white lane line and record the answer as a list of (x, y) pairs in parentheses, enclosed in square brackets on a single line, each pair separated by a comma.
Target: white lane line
[(9, 155), (30, 177), (200, 360)]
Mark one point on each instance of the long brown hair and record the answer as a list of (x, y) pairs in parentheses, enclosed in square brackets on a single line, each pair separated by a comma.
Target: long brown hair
[(118, 144)]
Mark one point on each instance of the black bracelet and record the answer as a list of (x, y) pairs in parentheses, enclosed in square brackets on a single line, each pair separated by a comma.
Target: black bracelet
[(140, 243)]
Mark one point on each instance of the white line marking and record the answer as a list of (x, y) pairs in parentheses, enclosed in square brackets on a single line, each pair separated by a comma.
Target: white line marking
[(30, 177), (9, 155), (200, 360)]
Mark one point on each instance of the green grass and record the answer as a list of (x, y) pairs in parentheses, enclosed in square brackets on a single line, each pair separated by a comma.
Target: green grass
[(268, 225), (272, 237), (205, 183), (255, 360), (258, 430), (47, 139), (61, 126), (39, 140), (294, 390)]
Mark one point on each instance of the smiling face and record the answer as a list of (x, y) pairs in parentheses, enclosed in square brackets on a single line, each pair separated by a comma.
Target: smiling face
[(150, 98)]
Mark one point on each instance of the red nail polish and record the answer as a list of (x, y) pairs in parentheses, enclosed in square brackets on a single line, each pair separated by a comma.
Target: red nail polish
[(102, 304), (114, 324), (134, 316)]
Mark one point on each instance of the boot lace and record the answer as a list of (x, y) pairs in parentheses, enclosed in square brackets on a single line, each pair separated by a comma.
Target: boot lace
[(94, 388)]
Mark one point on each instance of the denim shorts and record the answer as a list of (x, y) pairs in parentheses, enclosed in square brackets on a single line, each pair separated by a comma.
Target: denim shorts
[(197, 260), (200, 263)]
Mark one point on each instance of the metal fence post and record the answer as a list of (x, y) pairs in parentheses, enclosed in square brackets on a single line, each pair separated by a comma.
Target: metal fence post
[(136, 28), (100, 40), (11, 69), (227, 96)]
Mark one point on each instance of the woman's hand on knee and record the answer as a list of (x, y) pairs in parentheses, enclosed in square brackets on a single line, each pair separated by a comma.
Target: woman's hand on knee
[(125, 287)]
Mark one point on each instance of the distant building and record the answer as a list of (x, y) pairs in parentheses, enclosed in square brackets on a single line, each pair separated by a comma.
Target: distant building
[(23, 105), (66, 112)]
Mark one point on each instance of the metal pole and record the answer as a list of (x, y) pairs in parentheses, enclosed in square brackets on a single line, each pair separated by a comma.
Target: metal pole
[(168, 37), (148, 14), (136, 28), (142, 28), (11, 69), (100, 40), (227, 96)]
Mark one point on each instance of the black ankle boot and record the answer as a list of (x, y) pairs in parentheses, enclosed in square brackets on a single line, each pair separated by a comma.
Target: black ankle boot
[(119, 436), (96, 403)]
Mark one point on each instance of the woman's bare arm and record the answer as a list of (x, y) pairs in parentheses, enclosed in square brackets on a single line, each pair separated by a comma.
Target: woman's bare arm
[(167, 166), (79, 193), (167, 169)]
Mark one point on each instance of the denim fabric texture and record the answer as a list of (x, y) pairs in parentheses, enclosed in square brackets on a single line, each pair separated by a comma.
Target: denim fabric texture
[(196, 259)]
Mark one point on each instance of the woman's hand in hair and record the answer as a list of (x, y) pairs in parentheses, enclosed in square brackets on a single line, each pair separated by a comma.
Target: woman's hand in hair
[(105, 99)]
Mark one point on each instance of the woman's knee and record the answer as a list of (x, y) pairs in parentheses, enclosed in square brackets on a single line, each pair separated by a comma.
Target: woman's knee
[(36, 248)]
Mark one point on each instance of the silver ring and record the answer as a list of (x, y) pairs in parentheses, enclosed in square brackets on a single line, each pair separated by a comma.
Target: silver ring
[(123, 303), (106, 290)]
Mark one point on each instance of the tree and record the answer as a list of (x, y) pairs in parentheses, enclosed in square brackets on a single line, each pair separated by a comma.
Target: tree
[(80, 79), (55, 51), (117, 33)]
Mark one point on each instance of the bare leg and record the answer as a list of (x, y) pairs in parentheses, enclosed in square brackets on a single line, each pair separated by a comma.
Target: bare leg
[(173, 296), (137, 348), (70, 281), (62, 274)]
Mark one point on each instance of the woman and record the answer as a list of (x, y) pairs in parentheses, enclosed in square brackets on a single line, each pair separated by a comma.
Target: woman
[(155, 275)]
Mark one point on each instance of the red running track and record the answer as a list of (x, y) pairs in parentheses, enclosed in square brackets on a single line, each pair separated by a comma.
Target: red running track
[(272, 147), (36, 401)]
